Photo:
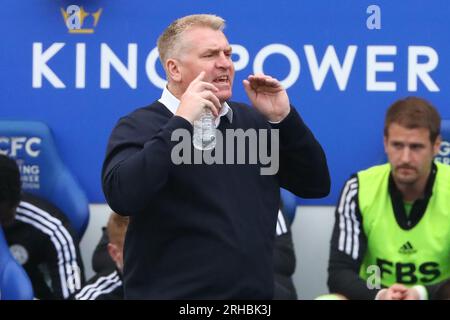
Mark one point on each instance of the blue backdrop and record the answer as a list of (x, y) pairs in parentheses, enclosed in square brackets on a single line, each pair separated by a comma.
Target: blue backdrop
[(81, 82)]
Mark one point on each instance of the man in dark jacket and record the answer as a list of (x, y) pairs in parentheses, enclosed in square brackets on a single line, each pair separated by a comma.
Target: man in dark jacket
[(205, 230)]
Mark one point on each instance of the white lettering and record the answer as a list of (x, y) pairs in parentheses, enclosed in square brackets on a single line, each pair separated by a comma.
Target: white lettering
[(373, 66), (14, 144), (444, 149), (330, 59), (150, 67), (243, 55), (108, 58), (4, 140), (319, 67), (285, 51), (30, 169), (80, 75), (40, 67), (29, 148), (421, 70)]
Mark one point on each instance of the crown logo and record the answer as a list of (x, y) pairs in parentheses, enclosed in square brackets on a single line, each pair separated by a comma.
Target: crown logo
[(75, 18)]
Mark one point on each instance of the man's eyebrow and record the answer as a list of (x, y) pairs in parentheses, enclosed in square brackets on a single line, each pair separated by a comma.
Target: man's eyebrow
[(416, 144), (409, 144), (227, 49), (212, 50)]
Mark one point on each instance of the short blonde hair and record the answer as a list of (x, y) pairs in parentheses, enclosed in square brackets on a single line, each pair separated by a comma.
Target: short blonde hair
[(117, 228), (169, 40)]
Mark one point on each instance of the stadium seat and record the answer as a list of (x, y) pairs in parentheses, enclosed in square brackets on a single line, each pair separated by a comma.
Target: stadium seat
[(14, 282), (289, 204), (43, 173)]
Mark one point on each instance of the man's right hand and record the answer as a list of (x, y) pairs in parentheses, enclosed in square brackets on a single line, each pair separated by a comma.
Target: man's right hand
[(397, 292), (198, 95)]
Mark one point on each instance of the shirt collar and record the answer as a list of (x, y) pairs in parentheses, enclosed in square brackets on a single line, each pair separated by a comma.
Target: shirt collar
[(419, 207), (172, 103)]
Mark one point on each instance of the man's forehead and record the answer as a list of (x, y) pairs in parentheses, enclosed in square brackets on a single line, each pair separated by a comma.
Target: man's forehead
[(204, 34), (399, 132)]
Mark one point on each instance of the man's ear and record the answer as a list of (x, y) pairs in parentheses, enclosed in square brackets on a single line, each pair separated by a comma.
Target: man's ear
[(113, 251), (437, 145), (385, 143), (173, 69)]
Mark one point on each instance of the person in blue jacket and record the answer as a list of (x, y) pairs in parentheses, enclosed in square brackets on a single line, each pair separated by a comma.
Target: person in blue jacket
[(204, 229)]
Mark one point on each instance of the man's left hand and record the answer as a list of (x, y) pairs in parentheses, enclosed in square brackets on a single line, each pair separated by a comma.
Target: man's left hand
[(268, 96), (398, 292)]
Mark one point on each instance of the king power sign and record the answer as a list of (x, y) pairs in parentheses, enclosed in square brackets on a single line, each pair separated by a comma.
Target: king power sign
[(421, 61)]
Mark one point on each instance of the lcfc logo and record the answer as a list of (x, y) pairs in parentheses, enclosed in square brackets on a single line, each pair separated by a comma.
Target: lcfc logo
[(75, 19)]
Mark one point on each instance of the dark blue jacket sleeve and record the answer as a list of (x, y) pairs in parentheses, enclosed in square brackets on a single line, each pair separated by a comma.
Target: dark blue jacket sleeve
[(137, 163), (303, 165)]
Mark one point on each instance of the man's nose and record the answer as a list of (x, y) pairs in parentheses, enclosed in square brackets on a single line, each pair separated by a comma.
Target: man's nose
[(406, 155), (223, 61)]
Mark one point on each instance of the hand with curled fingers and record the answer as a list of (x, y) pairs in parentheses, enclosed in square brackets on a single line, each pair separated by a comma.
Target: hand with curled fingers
[(198, 95), (268, 96), (398, 292)]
